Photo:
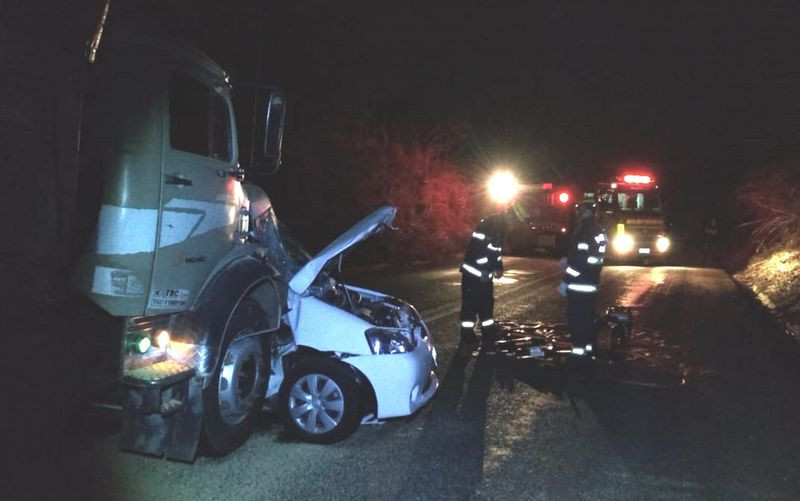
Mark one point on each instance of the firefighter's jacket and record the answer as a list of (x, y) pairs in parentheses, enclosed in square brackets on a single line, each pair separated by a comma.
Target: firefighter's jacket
[(585, 258), (483, 258)]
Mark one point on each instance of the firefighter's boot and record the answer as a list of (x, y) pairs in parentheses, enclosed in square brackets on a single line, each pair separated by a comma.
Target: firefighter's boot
[(488, 337)]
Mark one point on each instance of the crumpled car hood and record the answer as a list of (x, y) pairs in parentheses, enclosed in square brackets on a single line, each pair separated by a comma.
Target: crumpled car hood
[(362, 230)]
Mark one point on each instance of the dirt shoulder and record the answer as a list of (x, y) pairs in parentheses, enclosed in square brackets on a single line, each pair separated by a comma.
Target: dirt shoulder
[(774, 278)]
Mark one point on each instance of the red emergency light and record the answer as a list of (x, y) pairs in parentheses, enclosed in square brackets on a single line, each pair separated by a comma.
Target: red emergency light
[(637, 179), (563, 197)]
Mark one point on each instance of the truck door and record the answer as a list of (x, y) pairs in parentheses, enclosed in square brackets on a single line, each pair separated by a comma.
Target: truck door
[(201, 195)]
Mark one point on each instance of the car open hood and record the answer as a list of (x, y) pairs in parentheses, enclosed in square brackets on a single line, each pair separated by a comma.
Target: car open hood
[(360, 231)]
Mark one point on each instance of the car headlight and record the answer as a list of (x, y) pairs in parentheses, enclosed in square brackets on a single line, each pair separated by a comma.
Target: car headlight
[(623, 243), (388, 342), (662, 243)]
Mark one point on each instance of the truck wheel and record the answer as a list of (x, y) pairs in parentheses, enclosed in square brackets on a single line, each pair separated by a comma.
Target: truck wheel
[(235, 396), (319, 401)]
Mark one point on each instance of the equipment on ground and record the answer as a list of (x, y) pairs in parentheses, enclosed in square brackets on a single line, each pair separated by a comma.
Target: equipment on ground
[(549, 343)]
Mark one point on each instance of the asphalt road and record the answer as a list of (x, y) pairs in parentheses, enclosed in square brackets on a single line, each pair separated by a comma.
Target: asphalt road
[(705, 406)]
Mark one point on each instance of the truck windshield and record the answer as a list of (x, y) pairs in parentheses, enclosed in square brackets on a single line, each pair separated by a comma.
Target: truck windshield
[(633, 200)]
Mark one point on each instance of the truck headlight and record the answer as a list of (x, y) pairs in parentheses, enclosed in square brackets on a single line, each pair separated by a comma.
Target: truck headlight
[(156, 338), (388, 342), (162, 339), (623, 243), (662, 244)]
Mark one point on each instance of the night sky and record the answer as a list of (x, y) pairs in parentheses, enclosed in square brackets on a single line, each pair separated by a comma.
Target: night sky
[(566, 86)]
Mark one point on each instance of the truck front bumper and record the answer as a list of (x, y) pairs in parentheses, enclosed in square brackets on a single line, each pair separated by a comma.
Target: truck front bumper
[(162, 410)]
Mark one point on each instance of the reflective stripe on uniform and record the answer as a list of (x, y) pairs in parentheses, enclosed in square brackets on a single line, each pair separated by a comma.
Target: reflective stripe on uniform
[(493, 248), (600, 238), (482, 260), (602, 249), (577, 350), (479, 236), (593, 260), (487, 323), (467, 324), (499, 258), (583, 246), (471, 270), (571, 271), (582, 287)]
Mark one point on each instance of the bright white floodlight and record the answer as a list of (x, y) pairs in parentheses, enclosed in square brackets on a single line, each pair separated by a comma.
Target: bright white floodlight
[(503, 187)]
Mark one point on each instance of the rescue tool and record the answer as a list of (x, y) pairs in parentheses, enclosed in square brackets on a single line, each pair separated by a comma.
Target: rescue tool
[(549, 343)]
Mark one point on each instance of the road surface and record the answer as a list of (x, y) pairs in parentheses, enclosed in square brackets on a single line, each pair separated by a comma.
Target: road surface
[(710, 412)]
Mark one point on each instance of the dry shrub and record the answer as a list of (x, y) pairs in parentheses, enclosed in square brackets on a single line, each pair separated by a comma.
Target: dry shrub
[(418, 175), (772, 207)]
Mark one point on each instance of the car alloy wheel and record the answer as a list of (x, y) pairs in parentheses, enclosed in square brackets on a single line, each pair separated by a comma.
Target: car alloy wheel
[(316, 403)]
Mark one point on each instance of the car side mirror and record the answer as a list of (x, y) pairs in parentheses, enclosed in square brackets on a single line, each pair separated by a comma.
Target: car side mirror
[(261, 118)]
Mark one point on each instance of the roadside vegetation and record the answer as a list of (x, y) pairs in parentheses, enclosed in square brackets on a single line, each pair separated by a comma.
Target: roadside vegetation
[(771, 203), (418, 174), (365, 161)]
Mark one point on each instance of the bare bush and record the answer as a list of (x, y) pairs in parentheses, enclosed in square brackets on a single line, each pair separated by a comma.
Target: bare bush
[(772, 207)]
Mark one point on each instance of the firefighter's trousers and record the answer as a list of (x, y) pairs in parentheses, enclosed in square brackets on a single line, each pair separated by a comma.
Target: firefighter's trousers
[(580, 317), (477, 299)]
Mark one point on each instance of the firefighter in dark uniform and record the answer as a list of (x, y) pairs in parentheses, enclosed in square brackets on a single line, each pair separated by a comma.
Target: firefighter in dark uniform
[(581, 276), (483, 261)]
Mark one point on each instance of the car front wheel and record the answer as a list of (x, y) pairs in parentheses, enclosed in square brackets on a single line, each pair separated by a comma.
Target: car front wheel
[(320, 401)]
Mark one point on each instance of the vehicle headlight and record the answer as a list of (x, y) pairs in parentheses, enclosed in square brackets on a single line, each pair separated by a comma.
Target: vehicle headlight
[(139, 344), (162, 339), (388, 341), (662, 243), (152, 339), (623, 243)]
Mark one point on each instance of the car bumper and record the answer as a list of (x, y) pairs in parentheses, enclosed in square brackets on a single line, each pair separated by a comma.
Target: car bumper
[(402, 382)]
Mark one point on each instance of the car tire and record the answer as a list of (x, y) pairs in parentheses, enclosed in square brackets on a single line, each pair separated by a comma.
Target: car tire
[(235, 396), (320, 401)]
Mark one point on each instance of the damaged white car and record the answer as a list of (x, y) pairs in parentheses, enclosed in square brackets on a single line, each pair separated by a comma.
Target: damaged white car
[(353, 354)]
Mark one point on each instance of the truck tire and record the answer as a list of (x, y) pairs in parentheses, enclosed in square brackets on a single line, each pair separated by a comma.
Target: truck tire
[(320, 401), (234, 398)]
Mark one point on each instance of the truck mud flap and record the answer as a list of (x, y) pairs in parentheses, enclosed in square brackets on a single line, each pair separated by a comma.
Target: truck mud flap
[(162, 411)]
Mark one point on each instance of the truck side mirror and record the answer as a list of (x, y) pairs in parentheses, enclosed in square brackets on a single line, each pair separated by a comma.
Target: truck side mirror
[(261, 116), (273, 136)]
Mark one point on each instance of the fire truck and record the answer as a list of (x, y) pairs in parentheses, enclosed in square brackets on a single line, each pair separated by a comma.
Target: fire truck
[(634, 218), (547, 217)]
